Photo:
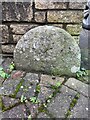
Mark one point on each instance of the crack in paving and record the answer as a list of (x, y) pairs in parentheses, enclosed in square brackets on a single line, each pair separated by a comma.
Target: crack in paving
[(77, 91), (72, 104)]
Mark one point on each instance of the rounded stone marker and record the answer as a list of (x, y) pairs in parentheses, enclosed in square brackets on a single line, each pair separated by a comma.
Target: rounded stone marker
[(49, 50)]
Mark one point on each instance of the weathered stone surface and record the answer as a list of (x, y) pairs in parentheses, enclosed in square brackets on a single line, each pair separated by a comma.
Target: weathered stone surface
[(7, 101), (9, 87), (78, 85), (21, 28), (28, 87), (65, 16), (47, 80), (81, 109), (43, 115), (77, 5), (16, 38), (17, 11), (16, 112), (74, 29), (49, 4), (49, 50), (76, 38), (33, 108), (60, 104), (44, 93), (4, 34), (8, 48), (16, 74), (40, 16)]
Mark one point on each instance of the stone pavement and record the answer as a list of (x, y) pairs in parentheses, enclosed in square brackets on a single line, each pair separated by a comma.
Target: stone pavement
[(32, 95)]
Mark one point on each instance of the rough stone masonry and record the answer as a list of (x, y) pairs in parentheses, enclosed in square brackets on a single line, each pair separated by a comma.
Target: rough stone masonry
[(48, 49)]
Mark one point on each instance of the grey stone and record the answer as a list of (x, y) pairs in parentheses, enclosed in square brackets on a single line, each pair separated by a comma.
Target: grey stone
[(17, 11), (48, 49), (28, 87), (9, 87), (44, 93), (33, 108), (15, 112), (47, 80), (81, 109), (60, 104), (7, 101), (43, 115), (78, 86)]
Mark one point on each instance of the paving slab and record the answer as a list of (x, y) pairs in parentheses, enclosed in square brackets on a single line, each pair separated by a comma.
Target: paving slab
[(81, 109), (9, 87), (45, 83), (44, 93), (78, 86), (33, 108), (60, 104), (42, 115), (16, 112), (17, 74), (28, 87), (46, 80), (7, 101)]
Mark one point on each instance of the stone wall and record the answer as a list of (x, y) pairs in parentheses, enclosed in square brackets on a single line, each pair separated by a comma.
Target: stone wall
[(19, 17)]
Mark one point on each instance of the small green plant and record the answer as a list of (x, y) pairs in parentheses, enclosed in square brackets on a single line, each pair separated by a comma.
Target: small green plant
[(81, 73), (3, 74), (34, 100), (56, 86), (12, 66), (23, 99), (38, 88)]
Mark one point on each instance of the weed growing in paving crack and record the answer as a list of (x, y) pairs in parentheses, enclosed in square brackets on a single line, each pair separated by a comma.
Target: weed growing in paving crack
[(3, 74), (43, 107), (72, 104), (34, 100)]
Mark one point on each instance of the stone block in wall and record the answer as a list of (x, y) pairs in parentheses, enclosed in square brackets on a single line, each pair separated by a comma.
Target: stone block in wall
[(50, 4), (4, 34), (74, 29), (8, 48), (17, 11), (77, 5), (21, 28), (16, 38), (40, 16), (65, 16)]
